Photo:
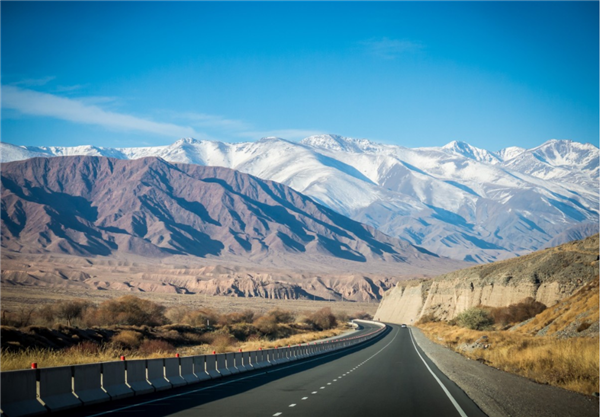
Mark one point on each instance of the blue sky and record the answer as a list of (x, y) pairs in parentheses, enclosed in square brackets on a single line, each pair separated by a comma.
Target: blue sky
[(493, 74)]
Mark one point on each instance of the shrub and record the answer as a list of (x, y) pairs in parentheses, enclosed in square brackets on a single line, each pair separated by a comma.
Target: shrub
[(177, 314), (267, 325), (246, 316), (127, 310), (475, 318), (70, 310), (204, 317), (127, 339), (322, 319), (428, 318), (149, 347), (362, 315), (516, 313), (281, 316)]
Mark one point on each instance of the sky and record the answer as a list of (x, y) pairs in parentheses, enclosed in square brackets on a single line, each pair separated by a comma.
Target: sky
[(124, 74)]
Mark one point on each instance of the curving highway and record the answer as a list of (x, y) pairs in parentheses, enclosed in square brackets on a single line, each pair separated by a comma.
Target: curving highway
[(389, 376)]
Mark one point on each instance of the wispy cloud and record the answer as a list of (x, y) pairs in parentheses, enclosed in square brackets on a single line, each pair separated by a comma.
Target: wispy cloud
[(43, 104), (34, 82), (390, 48), (213, 121)]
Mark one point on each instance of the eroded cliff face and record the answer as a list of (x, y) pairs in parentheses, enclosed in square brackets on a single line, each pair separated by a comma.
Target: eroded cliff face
[(548, 276)]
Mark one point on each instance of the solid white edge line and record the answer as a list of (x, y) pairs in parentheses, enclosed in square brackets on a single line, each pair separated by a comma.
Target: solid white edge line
[(454, 403)]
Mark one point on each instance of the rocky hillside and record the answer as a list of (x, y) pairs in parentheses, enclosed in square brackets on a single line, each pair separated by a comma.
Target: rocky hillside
[(548, 276)]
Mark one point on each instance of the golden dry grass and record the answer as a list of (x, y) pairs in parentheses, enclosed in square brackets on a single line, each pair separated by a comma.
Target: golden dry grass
[(572, 363), (581, 307), (49, 358)]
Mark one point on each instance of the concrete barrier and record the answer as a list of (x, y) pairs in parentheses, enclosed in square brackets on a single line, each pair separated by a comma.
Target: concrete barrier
[(272, 356), (200, 368), (239, 362), (136, 377), (56, 388), (211, 367), (247, 363), (113, 380), (230, 360), (19, 393), (156, 374), (173, 373), (87, 384), (255, 359), (221, 366), (187, 370)]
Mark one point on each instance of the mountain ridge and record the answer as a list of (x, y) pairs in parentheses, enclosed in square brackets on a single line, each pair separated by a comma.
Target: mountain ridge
[(457, 201)]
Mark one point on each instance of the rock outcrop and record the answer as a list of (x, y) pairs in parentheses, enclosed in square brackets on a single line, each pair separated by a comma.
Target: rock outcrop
[(548, 276)]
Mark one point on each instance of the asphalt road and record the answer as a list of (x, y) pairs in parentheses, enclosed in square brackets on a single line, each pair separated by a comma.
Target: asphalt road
[(389, 376)]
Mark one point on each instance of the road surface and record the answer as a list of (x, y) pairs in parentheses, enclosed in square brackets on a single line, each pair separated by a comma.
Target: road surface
[(389, 376)]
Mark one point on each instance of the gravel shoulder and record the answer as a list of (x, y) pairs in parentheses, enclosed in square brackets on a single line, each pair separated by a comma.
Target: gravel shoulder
[(501, 394)]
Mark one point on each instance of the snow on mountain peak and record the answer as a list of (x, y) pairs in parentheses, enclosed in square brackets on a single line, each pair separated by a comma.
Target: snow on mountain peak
[(455, 200), (509, 153), (336, 143), (471, 152)]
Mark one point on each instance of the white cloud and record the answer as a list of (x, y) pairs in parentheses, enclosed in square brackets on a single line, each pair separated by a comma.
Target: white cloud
[(33, 82), (43, 104), (390, 48), (213, 121)]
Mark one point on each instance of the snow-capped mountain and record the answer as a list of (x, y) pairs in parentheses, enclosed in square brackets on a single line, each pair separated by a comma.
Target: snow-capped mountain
[(457, 200)]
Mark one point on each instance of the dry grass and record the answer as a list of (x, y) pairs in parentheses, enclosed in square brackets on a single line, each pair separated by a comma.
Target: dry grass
[(580, 308), (572, 363), (91, 353), (46, 358)]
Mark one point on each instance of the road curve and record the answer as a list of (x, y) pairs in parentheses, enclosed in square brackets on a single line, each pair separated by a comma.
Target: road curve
[(387, 376)]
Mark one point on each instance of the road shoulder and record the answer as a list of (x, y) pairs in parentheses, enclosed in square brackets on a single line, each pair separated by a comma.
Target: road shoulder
[(501, 394)]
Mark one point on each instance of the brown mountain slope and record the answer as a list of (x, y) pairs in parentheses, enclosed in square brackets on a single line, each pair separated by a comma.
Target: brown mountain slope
[(156, 213)]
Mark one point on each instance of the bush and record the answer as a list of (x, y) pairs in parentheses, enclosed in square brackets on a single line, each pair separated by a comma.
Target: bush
[(204, 317), (149, 347), (428, 318), (362, 315), (70, 310), (322, 319), (127, 339), (475, 319), (516, 313), (128, 310), (246, 316), (281, 316), (267, 325)]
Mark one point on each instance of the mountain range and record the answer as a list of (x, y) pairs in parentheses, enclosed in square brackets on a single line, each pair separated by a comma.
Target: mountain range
[(456, 201)]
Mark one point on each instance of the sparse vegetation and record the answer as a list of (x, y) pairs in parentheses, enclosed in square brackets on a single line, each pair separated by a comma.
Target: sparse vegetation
[(475, 318), (139, 328), (567, 363), (516, 313), (556, 345)]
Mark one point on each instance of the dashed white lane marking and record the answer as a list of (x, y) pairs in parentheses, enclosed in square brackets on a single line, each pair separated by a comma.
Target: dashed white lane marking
[(322, 387), (452, 400), (292, 405), (334, 380), (277, 414), (314, 392), (304, 398), (329, 383)]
